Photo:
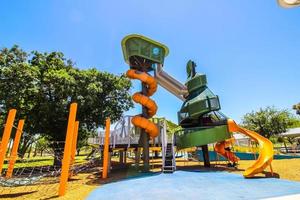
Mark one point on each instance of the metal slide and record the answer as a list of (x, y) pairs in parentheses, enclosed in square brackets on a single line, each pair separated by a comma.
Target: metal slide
[(266, 149), (169, 83)]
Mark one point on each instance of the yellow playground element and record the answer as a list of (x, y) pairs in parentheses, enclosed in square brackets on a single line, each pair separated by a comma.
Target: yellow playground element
[(265, 149), (144, 100)]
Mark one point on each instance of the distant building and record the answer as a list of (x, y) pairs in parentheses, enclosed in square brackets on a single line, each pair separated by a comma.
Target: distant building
[(241, 140), (292, 132)]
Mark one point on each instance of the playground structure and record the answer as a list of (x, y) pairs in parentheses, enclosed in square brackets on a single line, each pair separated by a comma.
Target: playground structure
[(48, 178), (199, 116), (139, 69), (124, 140)]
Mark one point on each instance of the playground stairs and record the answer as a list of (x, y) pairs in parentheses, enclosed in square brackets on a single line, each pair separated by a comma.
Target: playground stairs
[(169, 162)]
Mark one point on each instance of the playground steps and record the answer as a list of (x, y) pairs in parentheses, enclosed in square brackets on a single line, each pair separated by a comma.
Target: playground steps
[(169, 162)]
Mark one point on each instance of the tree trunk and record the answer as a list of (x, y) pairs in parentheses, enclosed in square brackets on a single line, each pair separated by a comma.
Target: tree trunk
[(41, 153), (58, 156), (58, 149), (28, 156), (286, 149), (290, 140), (9, 148), (35, 152), (78, 151), (25, 145)]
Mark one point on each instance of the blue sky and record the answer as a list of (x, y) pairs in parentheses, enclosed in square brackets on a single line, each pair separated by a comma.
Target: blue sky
[(249, 49)]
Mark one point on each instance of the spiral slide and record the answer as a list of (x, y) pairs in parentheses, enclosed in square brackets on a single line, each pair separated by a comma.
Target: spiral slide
[(144, 100), (220, 149), (266, 149)]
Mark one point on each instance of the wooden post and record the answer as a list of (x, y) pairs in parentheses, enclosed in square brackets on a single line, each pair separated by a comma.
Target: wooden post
[(14, 151), (137, 157), (106, 149), (121, 157), (74, 145), (125, 156), (6, 135), (109, 160), (67, 151)]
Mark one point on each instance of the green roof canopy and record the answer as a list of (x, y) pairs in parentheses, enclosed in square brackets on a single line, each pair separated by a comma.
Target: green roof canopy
[(138, 45)]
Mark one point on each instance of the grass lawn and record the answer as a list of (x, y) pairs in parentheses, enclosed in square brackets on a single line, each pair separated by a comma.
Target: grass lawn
[(39, 161)]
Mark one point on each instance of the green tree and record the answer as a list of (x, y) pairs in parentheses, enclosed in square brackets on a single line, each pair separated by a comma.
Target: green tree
[(269, 121), (41, 145), (41, 86), (83, 136), (17, 89), (172, 127), (297, 108)]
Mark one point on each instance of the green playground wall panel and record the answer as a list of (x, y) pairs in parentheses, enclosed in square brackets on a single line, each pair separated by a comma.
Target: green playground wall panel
[(201, 136), (196, 82)]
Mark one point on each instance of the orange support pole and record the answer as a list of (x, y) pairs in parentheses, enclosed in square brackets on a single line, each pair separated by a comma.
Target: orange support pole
[(6, 135), (14, 152), (67, 151), (74, 145), (106, 149)]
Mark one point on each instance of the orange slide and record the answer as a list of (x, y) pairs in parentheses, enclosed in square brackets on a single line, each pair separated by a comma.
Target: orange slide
[(220, 149), (265, 153), (144, 100)]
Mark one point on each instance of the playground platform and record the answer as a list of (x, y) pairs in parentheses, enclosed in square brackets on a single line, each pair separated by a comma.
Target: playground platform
[(197, 185)]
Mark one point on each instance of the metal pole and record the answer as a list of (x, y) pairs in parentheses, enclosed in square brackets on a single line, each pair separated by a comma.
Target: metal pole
[(205, 155), (144, 135)]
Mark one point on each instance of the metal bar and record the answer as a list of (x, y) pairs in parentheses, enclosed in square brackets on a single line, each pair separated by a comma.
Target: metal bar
[(205, 155), (144, 135)]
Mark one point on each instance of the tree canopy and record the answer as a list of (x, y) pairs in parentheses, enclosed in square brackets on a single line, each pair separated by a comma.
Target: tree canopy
[(297, 108), (41, 86), (269, 121)]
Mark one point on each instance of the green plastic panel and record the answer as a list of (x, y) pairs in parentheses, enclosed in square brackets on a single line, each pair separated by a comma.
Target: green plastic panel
[(138, 45), (197, 107), (201, 136), (196, 82), (202, 106)]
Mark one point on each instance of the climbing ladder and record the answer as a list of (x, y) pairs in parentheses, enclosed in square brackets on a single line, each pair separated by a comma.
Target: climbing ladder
[(169, 162), (168, 151)]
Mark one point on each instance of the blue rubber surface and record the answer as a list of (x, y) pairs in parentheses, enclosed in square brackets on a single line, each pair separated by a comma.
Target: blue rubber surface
[(243, 156), (183, 185)]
